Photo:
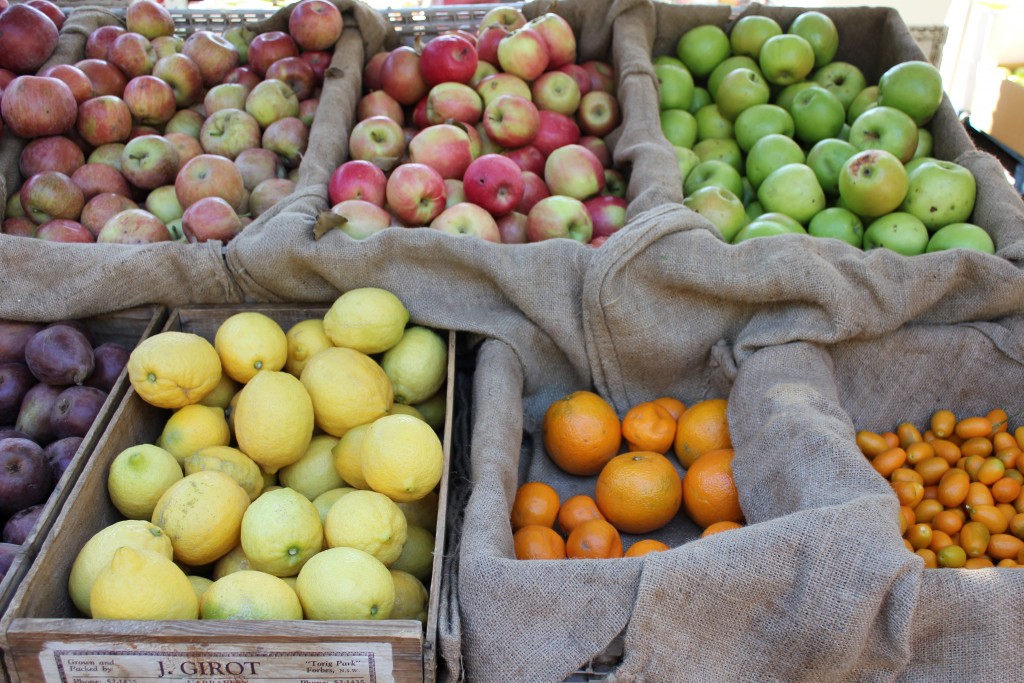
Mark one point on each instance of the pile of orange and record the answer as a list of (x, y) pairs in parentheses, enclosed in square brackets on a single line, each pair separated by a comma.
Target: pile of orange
[(960, 486), (636, 492)]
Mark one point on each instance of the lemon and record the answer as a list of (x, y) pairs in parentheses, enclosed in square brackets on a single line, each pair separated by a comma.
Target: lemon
[(231, 462), (250, 595), (433, 409), (174, 369), (348, 388), (199, 584), (274, 420), (402, 457), (325, 500), (249, 342), (422, 512), (202, 515), (314, 472), (417, 365), (369, 521), (292, 582), (369, 319), (281, 530), (345, 583), (411, 597), (142, 585), (305, 339), (192, 428), (402, 409), (137, 478), (99, 550), (234, 561), (417, 556), (348, 458), (222, 394)]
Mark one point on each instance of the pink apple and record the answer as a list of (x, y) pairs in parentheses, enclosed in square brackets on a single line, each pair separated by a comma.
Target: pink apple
[(511, 121), (149, 18), (371, 71), (558, 36), (556, 130), (487, 42), (18, 226), (257, 165), (288, 137), (362, 218), (36, 106), (512, 228), (608, 214), (64, 230), (307, 110), (534, 190), (419, 115), (98, 43), (443, 147), (138, 130), (149, 161), (29, 38), (599, 147), (296, 73), (150, 100), (602, 75), (377, 139), (50, 195), (109, 154), (357, 179), (503, 15), (225, 96), (133, 54), (379, 103), (210, 218), (93, 179), (315, 24), (400, 76), (559, 216), (75, 78), (106, 78), (448, 57), (448, 102), (55, 13), (500, 84), (185, 145), (415, 193), (523, 53), (494, 182), (574, 171), (52, 153), (244, 76), (182, 74), (579, 74), (557, 91), (6, 76), (467, 219), (267, 48), (134, 226), (319, 61), (456, 193), (213, 54), (598, 113), (598, 241), (528, 158), (209, 175), (268, 193), (103, 120), (165, 46)]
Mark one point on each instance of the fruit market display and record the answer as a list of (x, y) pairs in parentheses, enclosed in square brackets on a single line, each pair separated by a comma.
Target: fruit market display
[(153, 137), (499, 135), (54, 380), (959, 487), (636, 492), (295, 475), (774, 135)]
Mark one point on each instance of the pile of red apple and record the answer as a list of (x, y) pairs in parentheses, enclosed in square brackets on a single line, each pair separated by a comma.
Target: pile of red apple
[(28, 36), (54, 380), (153, 137), (775, 136), (498, 134)]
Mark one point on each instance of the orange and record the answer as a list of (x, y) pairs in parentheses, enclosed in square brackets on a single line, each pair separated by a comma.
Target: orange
[(702, 427), (719, 527), (647, 545), (709, 490), (673, 405), (576, 510), (638, 492), (535, 503), (581, 433), (649, 427), (594, 539), (535, 542)]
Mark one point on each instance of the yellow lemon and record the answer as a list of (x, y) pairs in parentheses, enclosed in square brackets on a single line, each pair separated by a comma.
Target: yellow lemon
[(192, 428), (345, 583), (250, 595), (274, 420), (269, 478), (305, 339), (417, 556), (411, 597), (402, 457), (348, 388), (142, 585), (314, 472), (292, 582), (369, 521), (348, 458), (369, 319), (174, 369), (231, 462), (325, 500), (417, 365), (281, 530), (234, 561), (99, 550), (222, 394), (402, 409), (433, 409), (249, 342), (199, 584), (202, 515), (422, 512), (137, 478)]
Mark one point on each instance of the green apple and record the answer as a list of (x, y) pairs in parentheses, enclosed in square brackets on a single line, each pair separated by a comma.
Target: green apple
[(770, 153), (914, 88), (916, 162), (817, 114), (741, 89), (754, 209), (925, 143), (749, 192), (711, 123), (721, 207), (701, 98), (842, 79), (749, 33), (786, 59), (897, 231), (839, 224), (702, 48), (864, 100), (786, 221), (762, 119), (885, 128), (793, 190), (687, 159), (826, 159), (667, 59), (763, 228), (679, 127), (785, 97), (940, 193), (722, 149), (820, 32), (713, 173), (961, 236), (675, 86), (872, 183), (719, 72)]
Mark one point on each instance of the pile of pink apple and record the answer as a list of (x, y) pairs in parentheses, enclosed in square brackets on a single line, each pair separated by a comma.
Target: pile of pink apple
[(498, 134), (153, 137), (775, 136)]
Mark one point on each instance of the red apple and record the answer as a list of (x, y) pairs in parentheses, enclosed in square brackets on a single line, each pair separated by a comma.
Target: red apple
[(182, 74), (377, 139), (209, 175), (602, 75), (267, 48), (574, 171), (379, 103), (579, 74), (512, 228), (93, 179), (258, 164), (150, 100), (213, 54), (186, 146), (18, 226), (6, 76), (319, 61), (210, 218), (523, 53), (487, 42), (362, 218), (357, 179), (98, 210), (55, 13), (448, 57), (608, 214), (134, 226), (448, 102), (511, 121), (36, 106), (149, 18), (64, 230), (419, 115), (133, 54), (599, 147), (598, 113), (243, 75), (534, 190), (371, 71), (444, 147), (558, 36), (528, 158), (106, 78), (103, 120), (467, 219), (28, 38), (267, 194), (400, 76), (495, 183), (315, 24), (53, 153), (556, 130), (288, 137), (294, 71), (50, 195), (559, 216), (415, 193), (98, 43), (76, 79), (149, 161)]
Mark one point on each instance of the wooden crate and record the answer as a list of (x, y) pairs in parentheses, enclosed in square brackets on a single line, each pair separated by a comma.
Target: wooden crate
[(45, 638), (128, 328)]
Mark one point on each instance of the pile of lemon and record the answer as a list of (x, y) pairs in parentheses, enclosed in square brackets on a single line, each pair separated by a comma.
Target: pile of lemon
[(296, 477)]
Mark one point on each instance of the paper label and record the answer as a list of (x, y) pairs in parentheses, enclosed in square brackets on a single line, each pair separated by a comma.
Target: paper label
[(320, 663)]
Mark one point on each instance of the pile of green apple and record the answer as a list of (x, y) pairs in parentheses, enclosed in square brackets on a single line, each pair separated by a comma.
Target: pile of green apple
[(774, 137)]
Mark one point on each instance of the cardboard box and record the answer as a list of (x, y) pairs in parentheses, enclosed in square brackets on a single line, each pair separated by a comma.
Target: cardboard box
[(45, 638)]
